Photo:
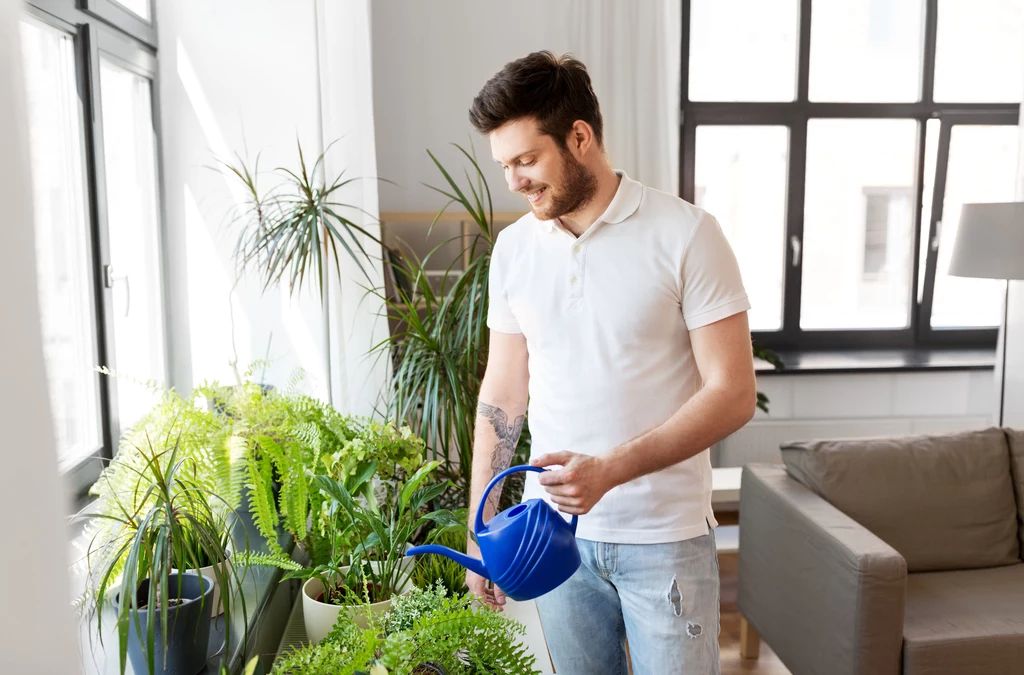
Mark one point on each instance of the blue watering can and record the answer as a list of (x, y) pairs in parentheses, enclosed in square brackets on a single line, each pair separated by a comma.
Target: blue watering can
[(528, 549)]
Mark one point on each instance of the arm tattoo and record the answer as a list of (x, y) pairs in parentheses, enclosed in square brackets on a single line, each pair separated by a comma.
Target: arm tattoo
[(508, 438)]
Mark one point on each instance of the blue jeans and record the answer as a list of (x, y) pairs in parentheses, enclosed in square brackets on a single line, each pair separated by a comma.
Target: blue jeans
[(662, 598)]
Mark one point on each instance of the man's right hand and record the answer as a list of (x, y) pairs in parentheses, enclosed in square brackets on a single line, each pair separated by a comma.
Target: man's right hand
[(490, 595)]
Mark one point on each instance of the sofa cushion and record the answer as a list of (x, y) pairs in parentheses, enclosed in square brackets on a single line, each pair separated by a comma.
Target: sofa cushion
[(969, 621), (1016, 440), (944, 502)]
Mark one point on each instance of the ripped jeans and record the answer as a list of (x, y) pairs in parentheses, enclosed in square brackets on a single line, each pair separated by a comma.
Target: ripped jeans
[(662, 598)]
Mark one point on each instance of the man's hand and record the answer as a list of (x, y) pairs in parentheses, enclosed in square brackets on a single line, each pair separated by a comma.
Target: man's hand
[(578, 485), (493, 597)]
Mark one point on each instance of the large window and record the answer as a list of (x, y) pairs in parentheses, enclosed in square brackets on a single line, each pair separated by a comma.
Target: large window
[(89, 87), (836, 142)]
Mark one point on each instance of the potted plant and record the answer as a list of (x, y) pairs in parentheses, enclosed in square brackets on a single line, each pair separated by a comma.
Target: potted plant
[(168, 523), (288, 439), (371, 523), (425, 632)]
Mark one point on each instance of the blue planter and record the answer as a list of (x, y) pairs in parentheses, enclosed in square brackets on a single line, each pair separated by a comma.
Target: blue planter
[(188, 628)]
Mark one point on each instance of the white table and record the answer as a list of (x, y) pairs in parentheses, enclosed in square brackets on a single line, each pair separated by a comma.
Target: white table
[(725, 496)]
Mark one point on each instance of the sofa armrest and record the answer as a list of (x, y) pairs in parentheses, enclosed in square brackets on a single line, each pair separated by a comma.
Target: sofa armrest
[(826, 594)]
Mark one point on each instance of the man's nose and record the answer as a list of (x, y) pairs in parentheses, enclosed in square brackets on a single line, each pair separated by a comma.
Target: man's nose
[(516, 181)]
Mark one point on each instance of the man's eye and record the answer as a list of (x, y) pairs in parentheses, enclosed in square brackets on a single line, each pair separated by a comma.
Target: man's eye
[(530, 163)]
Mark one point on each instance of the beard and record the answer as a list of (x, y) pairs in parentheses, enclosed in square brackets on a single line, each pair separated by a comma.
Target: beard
[(575, 188)]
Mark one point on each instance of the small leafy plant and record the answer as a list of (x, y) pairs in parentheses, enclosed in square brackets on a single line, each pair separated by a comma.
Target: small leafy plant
[(425, 632)]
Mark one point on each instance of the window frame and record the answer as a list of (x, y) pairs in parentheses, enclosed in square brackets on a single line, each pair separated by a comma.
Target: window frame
[(103, 27), (795, 115)]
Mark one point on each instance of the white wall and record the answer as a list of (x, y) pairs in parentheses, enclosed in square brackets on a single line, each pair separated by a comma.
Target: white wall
[(805, 407), (429, 61), (37, 627)]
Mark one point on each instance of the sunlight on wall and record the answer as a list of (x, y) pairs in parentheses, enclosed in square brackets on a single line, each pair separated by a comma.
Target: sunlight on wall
[(210, 295)]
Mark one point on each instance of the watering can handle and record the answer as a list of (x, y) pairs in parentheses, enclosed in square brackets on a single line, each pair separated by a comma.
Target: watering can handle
[(479, 524)]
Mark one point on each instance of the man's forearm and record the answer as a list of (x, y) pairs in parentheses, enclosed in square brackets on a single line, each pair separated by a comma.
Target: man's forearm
[(498, 426), (708, 417)]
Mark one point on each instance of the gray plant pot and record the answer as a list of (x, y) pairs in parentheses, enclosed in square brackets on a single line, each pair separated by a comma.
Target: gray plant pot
[(188, 627)]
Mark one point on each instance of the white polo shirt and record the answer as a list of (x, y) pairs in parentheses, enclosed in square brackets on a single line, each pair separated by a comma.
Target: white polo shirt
[(606, 320)]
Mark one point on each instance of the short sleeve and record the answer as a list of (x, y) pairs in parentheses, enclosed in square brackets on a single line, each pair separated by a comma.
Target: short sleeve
[(712, 288), (499, 314)]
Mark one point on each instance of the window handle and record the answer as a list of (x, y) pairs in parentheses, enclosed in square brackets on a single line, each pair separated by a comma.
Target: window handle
[(935, 237), (110, 278), (795, 245)]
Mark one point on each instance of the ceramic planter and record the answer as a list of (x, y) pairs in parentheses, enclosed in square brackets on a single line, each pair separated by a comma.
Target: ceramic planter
[(216, 608), (320, 617), (188, 627)]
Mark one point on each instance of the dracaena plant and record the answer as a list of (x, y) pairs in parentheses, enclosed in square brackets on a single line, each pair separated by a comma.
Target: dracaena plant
[(169, 521), (293, 231)]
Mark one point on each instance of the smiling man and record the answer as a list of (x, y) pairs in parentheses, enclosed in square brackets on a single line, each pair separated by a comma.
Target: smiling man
[(618, 313)]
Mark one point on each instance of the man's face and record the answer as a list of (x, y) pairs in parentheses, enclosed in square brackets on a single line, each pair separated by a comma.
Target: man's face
[(546, 173)]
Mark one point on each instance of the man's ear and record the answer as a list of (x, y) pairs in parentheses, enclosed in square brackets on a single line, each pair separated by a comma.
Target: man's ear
[(581, 137)]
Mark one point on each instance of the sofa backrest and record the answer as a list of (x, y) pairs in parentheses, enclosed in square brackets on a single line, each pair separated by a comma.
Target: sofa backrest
[(943, 501), (1015, 437)]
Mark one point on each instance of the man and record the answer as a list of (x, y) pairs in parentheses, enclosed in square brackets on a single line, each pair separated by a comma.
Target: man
[(619, 312)]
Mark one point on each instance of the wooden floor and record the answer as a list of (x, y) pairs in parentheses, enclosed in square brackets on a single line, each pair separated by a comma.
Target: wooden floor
[(729, 639)]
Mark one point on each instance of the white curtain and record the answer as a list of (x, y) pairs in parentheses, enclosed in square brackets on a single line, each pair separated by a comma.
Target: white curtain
[(632, 51), (37, 631), (356, 319)]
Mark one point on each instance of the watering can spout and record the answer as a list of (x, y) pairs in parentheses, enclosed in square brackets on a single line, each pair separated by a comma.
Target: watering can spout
[(472, 564)]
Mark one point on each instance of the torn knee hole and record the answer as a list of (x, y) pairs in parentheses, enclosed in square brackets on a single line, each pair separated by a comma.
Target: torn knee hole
[(675, 597)]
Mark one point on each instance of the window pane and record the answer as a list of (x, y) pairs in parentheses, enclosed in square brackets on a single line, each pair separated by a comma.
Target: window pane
[(138, 7), (741, 180), (743, 50), (982, 168), (866, 50), (129, 154), (858, 224), (62, 239), (978, 51)]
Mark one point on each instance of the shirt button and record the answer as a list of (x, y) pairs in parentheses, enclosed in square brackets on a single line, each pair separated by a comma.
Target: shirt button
[(575, 249), (573, 280)]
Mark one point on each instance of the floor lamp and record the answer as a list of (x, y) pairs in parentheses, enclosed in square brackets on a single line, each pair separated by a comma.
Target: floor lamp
[(990, 245)]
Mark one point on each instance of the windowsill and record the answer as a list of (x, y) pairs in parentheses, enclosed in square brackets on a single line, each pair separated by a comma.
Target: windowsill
[(879, 360)]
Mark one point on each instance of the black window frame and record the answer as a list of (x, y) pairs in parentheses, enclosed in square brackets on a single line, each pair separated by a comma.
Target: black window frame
[(104, 29), (795, 115)]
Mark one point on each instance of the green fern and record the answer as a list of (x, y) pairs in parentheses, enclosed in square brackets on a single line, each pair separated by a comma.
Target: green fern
[(279, 560)]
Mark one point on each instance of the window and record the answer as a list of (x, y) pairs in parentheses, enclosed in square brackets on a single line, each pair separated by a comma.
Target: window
[(835, 142), (94, 169), (129, 160), (63, 250)]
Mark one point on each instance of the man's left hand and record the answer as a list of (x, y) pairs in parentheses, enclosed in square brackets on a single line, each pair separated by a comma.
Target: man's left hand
[(578, 485)]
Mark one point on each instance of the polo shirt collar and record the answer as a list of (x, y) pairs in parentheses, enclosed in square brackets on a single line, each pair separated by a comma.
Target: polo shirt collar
[(624, 204)]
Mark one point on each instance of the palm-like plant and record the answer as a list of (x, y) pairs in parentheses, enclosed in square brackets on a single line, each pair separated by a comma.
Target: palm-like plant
[(441, 350), (294, 230)]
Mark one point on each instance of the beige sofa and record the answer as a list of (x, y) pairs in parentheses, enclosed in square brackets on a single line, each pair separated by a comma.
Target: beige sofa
[(888, 555)]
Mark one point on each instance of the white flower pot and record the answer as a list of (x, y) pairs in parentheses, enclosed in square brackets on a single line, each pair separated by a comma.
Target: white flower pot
[(216, 608), (320, 617)]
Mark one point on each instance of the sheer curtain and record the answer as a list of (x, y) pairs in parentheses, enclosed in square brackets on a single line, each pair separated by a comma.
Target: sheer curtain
[(356, 318), (632, 50)]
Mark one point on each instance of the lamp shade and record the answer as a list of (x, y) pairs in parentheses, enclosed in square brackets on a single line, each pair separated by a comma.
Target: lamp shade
[(989, 242)]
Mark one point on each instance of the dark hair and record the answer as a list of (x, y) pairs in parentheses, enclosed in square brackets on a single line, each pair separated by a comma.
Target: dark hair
[(554, 90)]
